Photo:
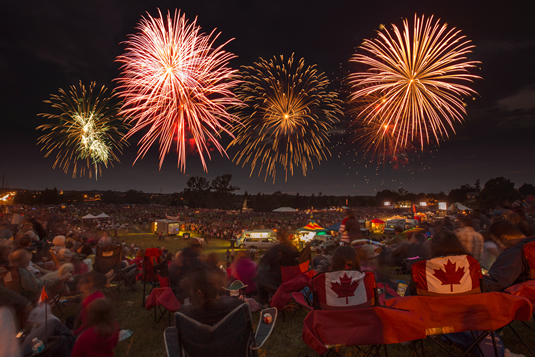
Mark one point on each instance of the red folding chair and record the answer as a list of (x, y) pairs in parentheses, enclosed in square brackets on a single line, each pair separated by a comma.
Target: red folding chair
[(527, 288), (163, 301), (451, 276), (448, 276), (153, 257), (346, 315)]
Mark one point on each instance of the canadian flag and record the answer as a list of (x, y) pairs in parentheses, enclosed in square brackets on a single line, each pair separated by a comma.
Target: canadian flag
[(345, 288), (449, 275)]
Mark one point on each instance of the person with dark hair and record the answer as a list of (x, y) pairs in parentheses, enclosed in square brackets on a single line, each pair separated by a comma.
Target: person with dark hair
[(88, 252), (269, 275), (471, 240), (446, 243), (509, 267), (90, 285), (206, 305), (102, 333), (350, 228), (417, 247), (345, 258)]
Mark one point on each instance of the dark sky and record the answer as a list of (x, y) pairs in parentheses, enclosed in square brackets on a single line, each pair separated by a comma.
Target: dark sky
[(47, 45)]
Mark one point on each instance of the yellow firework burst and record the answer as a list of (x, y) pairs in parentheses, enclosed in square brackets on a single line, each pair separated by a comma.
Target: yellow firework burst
[(288, 116), (86, 131), (417, 78)]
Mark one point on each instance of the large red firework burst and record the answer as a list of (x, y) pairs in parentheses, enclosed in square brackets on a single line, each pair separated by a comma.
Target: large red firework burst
[(176, 83)]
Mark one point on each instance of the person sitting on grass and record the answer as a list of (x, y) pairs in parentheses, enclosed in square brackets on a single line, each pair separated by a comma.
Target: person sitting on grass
[(206, 305), (102, 333)]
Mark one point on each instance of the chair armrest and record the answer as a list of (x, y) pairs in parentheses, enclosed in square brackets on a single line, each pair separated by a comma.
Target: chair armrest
[(263, 331), (170, 337)]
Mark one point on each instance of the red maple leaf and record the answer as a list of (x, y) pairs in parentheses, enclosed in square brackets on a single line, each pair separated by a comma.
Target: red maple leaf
[(345, 288), (450, 275)]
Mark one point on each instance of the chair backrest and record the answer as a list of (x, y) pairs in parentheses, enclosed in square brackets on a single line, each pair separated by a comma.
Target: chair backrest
[(107, 258), (12, 279), (344, 289), (528, 252), (153, 256), (290, 272), (232, 336), (450, 275)]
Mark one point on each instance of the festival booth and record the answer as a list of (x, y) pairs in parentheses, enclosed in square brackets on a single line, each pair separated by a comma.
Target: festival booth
[(310, 232), (378, 225), (89, 216)]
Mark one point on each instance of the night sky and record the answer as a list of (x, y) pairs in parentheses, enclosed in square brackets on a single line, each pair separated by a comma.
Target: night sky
[(47, 45)]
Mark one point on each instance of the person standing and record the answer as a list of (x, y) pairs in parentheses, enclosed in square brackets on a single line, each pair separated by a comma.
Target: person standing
[(350, 228), (470, 239), (232, 255)]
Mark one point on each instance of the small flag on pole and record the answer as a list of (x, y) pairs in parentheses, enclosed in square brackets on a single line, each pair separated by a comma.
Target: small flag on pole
[(43, 296)]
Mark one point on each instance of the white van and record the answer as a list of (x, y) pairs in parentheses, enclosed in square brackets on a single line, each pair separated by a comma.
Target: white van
[(259, 243), (393, 223), (257, 233)]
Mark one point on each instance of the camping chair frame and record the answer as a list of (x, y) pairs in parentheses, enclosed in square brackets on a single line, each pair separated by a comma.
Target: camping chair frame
[(477, 339), (120, 278), (375, 302), (149, 274), (174, 346)]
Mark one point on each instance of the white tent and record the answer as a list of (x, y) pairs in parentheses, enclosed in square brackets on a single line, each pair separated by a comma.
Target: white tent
[(285, 209), (102, 215), (461, 207), (89, 216)]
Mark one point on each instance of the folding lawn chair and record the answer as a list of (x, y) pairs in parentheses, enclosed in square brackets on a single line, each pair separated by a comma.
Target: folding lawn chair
[(234, 335), (450, 276), (153, 257), (108, 258), (284, 298), (527, 288), (164, 302), (346, 315)]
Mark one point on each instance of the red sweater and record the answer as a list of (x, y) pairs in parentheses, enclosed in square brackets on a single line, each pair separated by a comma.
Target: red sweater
[(90, 344), (83, 312)]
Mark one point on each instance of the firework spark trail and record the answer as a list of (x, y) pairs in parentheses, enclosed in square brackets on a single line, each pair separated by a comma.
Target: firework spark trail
[(86, 131), (176, 82), (417, 79), (288, 115)]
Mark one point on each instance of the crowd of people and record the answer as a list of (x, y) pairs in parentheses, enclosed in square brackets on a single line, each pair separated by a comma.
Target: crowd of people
[(52, 250)]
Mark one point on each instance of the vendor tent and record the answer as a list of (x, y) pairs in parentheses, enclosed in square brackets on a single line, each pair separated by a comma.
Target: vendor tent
[(334, 227), (377, 221), (102, 215), (461, 207), (285, 209), (89, 216), (312, 227)]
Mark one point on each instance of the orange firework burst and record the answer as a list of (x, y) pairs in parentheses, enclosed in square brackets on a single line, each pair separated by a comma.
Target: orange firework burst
[(288, 115), (177, 83), (415, 83)]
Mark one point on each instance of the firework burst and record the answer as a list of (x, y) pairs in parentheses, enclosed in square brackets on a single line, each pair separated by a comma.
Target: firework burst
[(414, 85), (177, 83), (288, 115), (86, 131)]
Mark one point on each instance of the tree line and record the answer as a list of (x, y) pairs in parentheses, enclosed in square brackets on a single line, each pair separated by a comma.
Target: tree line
[(220, 193)]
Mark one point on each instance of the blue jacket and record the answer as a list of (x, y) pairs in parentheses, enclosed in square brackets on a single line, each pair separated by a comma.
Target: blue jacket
[(509, 268)]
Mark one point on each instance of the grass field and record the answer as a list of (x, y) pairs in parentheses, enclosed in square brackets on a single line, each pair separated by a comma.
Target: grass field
[(147, 338)]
